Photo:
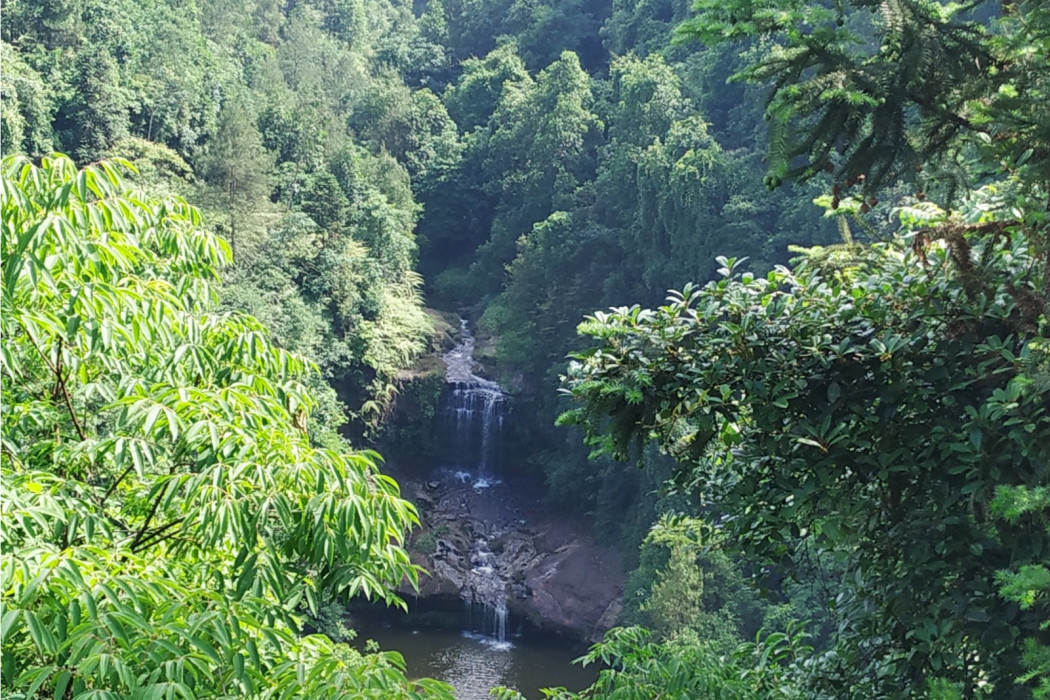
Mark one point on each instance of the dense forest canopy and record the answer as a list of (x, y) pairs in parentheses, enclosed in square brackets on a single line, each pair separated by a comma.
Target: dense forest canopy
[(885, 403), (854, 419)]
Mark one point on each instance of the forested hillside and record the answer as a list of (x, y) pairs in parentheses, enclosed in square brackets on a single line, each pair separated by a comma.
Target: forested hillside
[(274, 120), (846, 407), (532, 161)]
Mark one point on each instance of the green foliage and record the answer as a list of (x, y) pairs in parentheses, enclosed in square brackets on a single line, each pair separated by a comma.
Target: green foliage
[(642, 26), (1028, 585), (536, 153), (945, 400), (159, 483), (237, 165), (540, 31), (25, 119), (686, 581), (577, 191), (567, 169), (689, 667), (253, 104), (563, 258), (340, 287), (475, 96), (881, 91), (874, 395), (426, 543), (663, 198), (156, 166), (675, 600), (869, 407), (414, 127), (98, 115)]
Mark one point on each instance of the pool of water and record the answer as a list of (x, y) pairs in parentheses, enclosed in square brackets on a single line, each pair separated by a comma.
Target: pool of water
[(473, 663)]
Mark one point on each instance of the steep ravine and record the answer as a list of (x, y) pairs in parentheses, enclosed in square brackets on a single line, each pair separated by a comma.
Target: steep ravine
[(488, 539)]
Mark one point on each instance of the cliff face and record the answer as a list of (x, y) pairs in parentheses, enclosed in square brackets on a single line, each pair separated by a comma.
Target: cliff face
[(489, 541)]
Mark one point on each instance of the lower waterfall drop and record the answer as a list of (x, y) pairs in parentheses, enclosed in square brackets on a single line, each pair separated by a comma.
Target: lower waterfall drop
[(500, 616), (486, 593)]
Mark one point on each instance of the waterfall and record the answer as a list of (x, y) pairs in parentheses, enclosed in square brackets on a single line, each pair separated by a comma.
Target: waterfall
[(474, 412), (485, 593), (501, 623), (472, 425), (489, 621)]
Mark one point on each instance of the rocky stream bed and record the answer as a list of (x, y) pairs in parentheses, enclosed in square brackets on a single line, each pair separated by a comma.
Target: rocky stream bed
[(491, 542)]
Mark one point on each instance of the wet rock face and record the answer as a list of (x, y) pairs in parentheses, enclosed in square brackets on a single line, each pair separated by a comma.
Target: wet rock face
[(492, 544)]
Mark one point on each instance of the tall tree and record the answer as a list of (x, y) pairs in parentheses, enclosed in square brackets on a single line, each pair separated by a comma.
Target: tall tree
[(238, 164), (26, 108), (539, 150), (99, 115), (475, 96)]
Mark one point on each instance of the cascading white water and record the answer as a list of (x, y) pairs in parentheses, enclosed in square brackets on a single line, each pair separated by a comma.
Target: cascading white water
[(485, 593), (473, 416), (501, 623), (474, 411)]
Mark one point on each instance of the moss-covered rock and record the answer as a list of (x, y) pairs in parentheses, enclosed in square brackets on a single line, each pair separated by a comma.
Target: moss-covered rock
[(407, 433)]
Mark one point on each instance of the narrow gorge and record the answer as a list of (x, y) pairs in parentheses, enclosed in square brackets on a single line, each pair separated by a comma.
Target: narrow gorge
[(487, 538), (506, 573)]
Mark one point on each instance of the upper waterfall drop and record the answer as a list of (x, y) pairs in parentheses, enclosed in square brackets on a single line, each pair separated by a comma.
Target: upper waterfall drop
[(474, 411)]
